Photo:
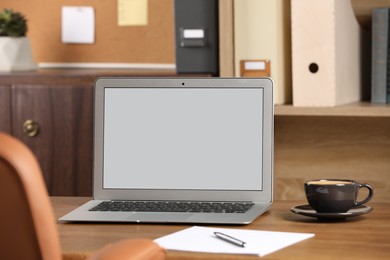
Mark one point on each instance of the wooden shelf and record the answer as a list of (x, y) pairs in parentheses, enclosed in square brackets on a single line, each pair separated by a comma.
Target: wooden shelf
[(361, 109)]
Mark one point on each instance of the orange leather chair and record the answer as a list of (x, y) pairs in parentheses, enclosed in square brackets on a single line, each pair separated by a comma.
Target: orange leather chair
[(27, 224)]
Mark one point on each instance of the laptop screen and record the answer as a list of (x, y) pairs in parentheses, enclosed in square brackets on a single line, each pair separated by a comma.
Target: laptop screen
[(183, 138)]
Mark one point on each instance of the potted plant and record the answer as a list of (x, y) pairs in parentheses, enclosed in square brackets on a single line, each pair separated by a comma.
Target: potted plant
[(15, 48)]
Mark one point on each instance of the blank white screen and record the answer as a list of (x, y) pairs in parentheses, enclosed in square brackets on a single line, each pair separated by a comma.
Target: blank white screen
[(183, 138)]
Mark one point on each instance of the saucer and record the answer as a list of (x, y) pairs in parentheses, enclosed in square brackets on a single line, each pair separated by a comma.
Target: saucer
[(306, 210)]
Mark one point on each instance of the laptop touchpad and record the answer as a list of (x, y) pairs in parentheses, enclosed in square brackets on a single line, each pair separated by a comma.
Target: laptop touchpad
[(159, 217)]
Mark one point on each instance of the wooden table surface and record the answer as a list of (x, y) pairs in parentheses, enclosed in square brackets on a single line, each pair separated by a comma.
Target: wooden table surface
[(362, 237)]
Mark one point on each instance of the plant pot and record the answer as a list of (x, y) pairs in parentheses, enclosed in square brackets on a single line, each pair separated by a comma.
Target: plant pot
[(16, 54)]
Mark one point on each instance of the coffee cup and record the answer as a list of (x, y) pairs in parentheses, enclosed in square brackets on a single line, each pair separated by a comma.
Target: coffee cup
[(335, 195)]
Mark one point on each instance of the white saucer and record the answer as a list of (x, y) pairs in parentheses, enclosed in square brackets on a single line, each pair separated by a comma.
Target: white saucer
[(306, 210)]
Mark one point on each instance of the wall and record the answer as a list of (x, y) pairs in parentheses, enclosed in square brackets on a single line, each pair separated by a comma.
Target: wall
[(153, 43)]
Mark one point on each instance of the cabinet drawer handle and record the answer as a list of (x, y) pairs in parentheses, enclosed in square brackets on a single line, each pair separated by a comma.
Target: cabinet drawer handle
[(31, 128)]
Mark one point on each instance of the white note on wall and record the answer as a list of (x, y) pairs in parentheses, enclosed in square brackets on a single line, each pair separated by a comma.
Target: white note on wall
[(132, 12), (78, 24)]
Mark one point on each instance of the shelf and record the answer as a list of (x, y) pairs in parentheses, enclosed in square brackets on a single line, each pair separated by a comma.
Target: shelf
[(361, 109)]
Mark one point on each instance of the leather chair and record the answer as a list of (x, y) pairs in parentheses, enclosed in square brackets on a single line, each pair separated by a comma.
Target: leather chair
[(27, 225)]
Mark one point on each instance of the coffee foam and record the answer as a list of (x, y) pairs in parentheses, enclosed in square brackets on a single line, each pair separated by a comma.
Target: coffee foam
[(329, 182)]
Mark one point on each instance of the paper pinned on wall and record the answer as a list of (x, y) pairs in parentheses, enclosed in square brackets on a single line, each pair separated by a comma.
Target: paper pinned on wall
[(132, 12), (78, 24)]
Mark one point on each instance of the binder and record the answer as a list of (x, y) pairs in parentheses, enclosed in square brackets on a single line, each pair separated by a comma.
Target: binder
[(262, 32), (196, 36), (326, 53), (380, 56)]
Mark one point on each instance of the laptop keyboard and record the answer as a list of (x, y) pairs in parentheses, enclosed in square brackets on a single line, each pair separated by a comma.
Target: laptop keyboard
[(174, 206)]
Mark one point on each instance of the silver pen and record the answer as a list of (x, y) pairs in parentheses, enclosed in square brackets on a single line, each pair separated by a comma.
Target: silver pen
[(230, 239)]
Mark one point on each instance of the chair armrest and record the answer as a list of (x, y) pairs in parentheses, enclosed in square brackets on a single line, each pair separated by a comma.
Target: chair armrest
[(134, 249)]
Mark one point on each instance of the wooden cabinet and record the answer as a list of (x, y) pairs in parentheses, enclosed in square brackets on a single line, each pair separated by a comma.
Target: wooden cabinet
[(351, 142), (5, 109), (60, 104), (62, 143)]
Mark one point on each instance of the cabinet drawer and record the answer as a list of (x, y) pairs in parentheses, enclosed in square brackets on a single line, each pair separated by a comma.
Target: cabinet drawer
[(55, 121)]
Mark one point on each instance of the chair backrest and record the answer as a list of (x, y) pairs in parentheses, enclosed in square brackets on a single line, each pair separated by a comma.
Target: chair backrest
[(27, 224)]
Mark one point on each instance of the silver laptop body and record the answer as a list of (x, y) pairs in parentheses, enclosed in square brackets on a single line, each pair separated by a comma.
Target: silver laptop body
[(181, 139)]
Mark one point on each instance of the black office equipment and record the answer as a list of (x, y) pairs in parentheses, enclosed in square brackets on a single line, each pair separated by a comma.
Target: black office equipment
[(196, 36)]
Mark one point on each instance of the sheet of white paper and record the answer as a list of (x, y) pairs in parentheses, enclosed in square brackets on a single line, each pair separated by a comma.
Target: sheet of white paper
[(202, 239), (78, 24)]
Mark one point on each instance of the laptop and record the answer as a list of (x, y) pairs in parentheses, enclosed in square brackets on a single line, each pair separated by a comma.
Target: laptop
[(181, 150)]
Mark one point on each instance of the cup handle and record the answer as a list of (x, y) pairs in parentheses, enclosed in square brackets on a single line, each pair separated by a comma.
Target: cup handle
[(370, 194)]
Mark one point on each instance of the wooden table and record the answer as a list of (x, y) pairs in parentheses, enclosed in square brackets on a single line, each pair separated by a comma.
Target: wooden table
[(362, 237)]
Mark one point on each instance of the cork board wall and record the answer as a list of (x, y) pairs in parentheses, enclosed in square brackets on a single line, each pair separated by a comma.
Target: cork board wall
[(153, 43)]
